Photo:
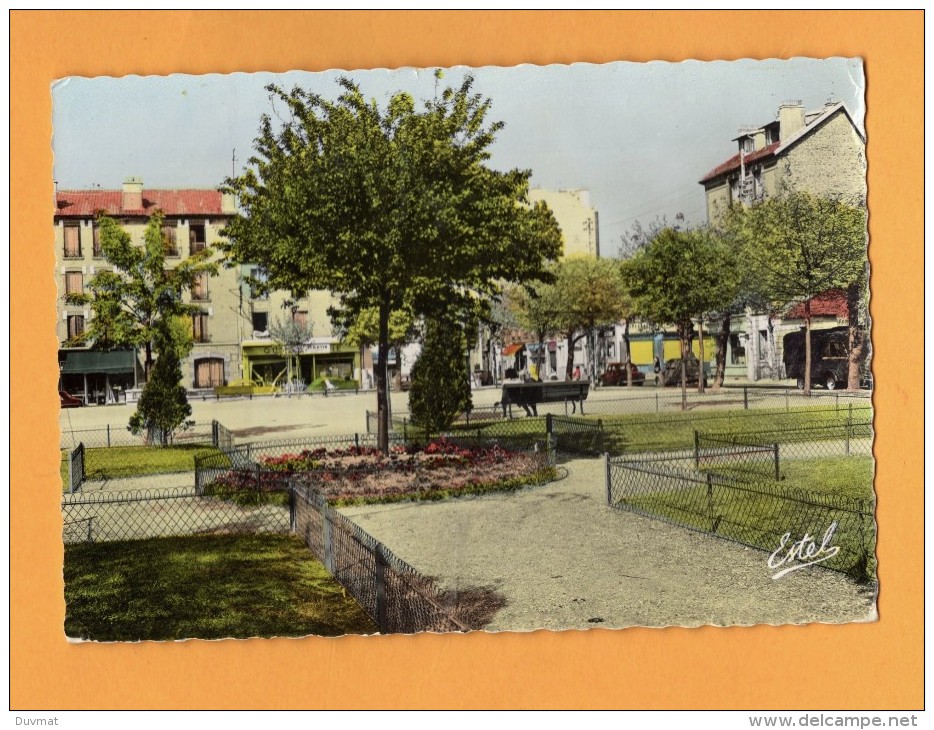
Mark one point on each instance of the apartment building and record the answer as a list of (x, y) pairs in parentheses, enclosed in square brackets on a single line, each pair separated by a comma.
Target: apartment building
[(819, 151), (231, 329)]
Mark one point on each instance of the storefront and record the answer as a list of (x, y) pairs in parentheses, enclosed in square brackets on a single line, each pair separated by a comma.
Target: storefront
[(99, 377), (266, 362)]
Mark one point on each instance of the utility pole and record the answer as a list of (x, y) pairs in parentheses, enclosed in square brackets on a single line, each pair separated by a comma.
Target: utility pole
[(233, 163)]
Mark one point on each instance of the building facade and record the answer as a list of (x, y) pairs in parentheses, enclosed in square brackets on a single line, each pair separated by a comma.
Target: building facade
[(231, 329), (820, 152)]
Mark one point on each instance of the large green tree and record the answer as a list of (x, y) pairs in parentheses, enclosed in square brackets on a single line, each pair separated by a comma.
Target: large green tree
[(587, 293), (680, 277), (140, 299), (798, 245), (391, 208)]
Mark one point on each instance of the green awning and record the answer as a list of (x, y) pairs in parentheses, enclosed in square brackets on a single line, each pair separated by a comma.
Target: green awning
[(92, 361)]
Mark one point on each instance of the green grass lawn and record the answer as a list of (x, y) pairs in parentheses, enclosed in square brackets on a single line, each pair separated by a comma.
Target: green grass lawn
[(130, 461), (660, 432), (756, 514), (842, 476), (204, 587)]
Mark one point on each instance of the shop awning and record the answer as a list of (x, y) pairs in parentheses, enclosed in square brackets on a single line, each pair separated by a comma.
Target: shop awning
[(93, 361), (512, 349)]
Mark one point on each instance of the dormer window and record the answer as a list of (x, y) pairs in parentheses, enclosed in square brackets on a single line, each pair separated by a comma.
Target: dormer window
[(746, 145)]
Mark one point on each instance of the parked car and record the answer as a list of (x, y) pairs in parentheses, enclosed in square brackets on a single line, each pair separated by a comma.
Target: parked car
[(830, 358), (68, 400), (615, 374), (670, 375)]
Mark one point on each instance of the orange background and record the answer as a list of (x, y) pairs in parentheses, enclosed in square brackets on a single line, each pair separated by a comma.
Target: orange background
[(816, 667)]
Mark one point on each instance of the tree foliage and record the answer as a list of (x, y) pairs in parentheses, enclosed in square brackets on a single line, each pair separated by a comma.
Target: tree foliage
[(137, 299), (679, 277), (797, 245), (163, 405), (440, 386), (587, 293), (389, 208)]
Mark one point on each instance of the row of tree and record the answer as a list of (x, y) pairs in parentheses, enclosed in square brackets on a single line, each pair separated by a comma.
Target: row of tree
[(396, 212), (785, 249)]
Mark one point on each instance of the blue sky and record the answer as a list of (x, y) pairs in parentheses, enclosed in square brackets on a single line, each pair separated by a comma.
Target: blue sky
[(637, 135)]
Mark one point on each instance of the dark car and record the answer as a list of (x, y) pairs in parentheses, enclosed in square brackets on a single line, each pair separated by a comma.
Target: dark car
[(615, 374), (670, 375), (68, 400), (830, 358)]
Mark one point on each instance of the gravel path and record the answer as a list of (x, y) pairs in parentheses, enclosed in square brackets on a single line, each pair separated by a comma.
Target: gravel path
[(564, 560)]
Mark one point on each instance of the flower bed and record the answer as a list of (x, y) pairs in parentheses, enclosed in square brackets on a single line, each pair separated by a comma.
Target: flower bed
[(359, 475)]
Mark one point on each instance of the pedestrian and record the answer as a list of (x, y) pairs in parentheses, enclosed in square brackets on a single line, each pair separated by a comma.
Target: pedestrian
[(577, 373)]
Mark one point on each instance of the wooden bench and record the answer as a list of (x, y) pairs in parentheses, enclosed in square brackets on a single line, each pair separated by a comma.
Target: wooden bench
[(529, 395)]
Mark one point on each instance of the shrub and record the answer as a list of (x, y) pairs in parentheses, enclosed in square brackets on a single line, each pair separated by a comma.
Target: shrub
[(440, 388)]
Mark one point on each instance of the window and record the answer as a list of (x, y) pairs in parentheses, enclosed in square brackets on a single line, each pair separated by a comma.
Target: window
[(199, 288), (170, 239), (196, 238), (209, 372), (300, 317), (835, 348), (96, 233), (75, 325), (259, 277), (199, 326), (260, 321), (737, 350), (72, 241), (74, 282)]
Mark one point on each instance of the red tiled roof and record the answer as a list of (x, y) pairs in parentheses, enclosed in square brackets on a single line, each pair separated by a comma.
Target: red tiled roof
[(86, 203), (831, 303), (733, 163)]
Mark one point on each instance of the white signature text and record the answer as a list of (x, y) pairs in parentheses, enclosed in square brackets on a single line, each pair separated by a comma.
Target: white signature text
[(802, 553)]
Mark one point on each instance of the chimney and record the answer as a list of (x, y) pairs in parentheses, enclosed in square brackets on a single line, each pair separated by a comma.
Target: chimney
[(133, 193), (790, 118)]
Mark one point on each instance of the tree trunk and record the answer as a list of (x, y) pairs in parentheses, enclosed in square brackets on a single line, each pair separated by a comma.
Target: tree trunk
[(807, 346), (700, 375), (683, 334), (723, 339), (540, 356), (382, 384), (569, 369), (628, 355), (147, 365), (856, 336)]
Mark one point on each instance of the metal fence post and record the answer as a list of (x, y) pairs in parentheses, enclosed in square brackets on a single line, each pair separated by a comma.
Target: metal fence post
[(328, 557), (405, 430), (549, 427), (291, 506), (382, 614), (786, 400), (710, 515), (656, 401), (849, 425), (745, 397), (71, 472), (778, 475), (356, 440), (108, 435), (696, 449), (609, 484), (257, 476), (215, 439)]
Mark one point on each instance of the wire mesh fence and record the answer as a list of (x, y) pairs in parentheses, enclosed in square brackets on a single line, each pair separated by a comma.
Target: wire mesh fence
[(395, 595), (746, 509), (138, 515), (111, 436)]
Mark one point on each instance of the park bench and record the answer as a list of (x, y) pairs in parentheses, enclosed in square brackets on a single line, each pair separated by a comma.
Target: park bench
[(529, 395)]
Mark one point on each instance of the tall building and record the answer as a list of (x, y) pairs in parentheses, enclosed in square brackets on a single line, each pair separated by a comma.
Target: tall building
[(575, 216), (231, 330), (820, 151)]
